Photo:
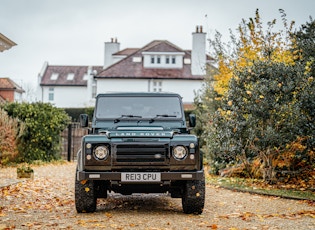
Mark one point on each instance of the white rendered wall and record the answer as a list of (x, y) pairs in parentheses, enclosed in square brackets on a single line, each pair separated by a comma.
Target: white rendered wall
[(185, 88), (17, 97), (121, 85), (67, 97)]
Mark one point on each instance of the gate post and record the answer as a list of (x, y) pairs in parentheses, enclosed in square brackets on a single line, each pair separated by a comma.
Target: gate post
[(69, 141)]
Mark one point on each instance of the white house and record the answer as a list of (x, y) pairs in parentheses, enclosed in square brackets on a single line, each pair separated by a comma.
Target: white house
[(159, 66)]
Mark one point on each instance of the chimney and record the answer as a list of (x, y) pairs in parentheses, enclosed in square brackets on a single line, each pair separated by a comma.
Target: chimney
[(198, 52), (110, 48)]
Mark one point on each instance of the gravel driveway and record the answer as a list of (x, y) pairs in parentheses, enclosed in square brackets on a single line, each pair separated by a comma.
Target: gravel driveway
[(47, 202)]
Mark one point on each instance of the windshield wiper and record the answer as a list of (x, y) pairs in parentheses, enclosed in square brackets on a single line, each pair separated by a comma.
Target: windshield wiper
[(122, 116), (160, 115)]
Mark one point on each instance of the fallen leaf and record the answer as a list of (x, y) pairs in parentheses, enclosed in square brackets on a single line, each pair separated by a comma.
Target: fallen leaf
[(213, 226), (109, 215)]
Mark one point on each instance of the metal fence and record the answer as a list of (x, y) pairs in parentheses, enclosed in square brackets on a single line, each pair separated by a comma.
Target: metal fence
[(71, 140)]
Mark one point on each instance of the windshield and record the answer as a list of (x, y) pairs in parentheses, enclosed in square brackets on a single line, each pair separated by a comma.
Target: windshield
[(140, 107)]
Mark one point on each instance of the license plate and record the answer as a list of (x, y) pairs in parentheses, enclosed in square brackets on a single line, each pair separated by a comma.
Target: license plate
[(140, 177)]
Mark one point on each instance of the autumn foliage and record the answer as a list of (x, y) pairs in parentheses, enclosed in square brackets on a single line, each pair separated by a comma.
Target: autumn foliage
[(9, 133), (258, 109), (40, 139)]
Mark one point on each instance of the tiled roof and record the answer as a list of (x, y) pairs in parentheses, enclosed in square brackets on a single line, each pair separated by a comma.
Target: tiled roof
[(61, 75), (126, 68), (161, 46), (126, 51), (8, 84)]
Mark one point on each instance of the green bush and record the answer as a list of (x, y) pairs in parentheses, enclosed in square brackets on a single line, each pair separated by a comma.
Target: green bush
[(43, 124), (267, 112)]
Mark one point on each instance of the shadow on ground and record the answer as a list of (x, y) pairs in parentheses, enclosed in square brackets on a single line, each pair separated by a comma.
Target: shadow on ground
[(142, 203)]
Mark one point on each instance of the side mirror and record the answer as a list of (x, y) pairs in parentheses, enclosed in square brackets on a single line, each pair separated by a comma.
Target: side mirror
[(192, 120), (84, 120)]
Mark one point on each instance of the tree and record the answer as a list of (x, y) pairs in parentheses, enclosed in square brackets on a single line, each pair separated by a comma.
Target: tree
[(305, 49), (262, 105), (264, 112), (40, 139), (253, 44)]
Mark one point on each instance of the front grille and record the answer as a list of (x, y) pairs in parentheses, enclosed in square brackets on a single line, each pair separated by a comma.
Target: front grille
[(143, 153)]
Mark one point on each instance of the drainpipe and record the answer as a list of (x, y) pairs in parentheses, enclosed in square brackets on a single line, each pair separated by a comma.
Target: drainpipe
[(149, 85)]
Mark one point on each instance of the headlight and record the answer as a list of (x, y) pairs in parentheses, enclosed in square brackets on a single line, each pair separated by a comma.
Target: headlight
[(180, 152), (101, 152)]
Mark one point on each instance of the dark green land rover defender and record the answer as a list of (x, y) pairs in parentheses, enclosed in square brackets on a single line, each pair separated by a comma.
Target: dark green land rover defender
[(139, 143)]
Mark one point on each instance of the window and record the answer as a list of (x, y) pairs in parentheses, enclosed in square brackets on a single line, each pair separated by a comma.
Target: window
[(51, 94), (137, 59), (70, 76), (86, 77), (187, 61), (173, 60), (54, 76), (157, 86), (163, 60), (109, 107), (167, 60), (156, 59)]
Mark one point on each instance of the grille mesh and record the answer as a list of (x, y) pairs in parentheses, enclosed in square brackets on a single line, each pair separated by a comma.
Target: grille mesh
[(141, 153)]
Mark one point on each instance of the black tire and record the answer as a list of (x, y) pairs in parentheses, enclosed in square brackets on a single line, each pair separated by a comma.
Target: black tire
[(85, 196), (193, 199)]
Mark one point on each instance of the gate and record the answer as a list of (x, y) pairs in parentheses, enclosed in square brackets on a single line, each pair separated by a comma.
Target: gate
[(71, 141)]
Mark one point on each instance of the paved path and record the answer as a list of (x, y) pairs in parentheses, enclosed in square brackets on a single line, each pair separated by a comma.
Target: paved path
[(47, 202)]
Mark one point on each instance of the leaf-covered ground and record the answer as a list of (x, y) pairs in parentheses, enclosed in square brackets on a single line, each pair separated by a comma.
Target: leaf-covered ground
[(47, 202)]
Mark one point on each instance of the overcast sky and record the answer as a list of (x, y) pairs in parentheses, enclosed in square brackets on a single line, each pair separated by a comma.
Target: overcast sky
[(73, 32)]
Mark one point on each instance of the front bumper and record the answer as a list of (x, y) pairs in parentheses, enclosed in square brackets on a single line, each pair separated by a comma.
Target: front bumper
[(116, 176)]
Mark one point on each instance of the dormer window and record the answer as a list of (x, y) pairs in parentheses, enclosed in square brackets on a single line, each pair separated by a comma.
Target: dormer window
[(86, 77), (54, 76), (70, 76), (137, 59), (163, 60), (187, 61)]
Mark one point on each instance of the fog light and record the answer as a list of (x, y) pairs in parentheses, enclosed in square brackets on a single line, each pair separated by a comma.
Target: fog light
[(88, 157), (186, 176), (192, 156)]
